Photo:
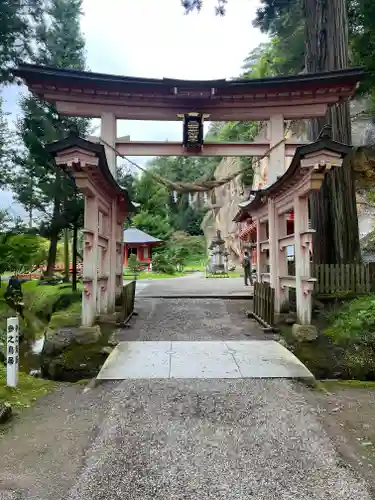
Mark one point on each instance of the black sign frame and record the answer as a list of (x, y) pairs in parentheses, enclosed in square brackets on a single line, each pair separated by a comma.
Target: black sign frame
[(193, 131)]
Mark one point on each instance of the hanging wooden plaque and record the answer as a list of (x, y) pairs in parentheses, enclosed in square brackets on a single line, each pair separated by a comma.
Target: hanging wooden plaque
[(193, 131)]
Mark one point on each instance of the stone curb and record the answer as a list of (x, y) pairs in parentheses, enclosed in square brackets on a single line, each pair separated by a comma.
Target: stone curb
[(94, 382), (220, 297)]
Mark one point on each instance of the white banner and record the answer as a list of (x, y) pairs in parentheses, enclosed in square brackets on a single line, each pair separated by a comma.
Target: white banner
[(12, 351)]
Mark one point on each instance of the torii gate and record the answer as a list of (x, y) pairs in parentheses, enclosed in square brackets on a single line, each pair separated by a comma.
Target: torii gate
[(110, 97), (268, 211)]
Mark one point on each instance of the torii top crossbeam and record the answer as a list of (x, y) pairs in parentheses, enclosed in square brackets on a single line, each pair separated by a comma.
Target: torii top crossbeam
[(81, 93)]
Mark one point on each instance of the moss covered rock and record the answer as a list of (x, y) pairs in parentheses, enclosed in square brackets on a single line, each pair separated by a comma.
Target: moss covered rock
[(303, 333), (72, 353), (76, 362), (321, 357)]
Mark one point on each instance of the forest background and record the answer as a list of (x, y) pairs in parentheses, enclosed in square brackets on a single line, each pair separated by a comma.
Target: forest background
[(339, 33)]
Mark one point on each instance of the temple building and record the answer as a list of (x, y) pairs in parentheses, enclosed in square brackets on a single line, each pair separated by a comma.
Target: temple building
[(139, 243)]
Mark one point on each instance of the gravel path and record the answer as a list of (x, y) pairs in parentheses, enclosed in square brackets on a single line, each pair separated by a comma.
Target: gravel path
[(213, 439), (176, 439), (192, 319)]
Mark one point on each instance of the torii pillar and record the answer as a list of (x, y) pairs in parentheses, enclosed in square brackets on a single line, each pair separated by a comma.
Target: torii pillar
[(108, 132), (106, 207)]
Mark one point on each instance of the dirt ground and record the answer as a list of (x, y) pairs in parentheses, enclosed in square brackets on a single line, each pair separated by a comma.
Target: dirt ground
[(347, 412)]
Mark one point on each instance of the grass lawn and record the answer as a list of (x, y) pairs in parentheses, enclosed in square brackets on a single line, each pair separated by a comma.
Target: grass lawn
[(234, 274), (195, 266), (187, 270), (330, 385), (145, 275), (29, 389), (41, 301), (231, 274)]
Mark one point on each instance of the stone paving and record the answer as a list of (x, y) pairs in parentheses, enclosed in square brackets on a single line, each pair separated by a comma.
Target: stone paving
[(197, 285), (202, 359)]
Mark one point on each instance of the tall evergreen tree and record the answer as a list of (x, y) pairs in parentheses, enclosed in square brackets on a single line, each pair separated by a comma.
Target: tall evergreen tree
[(333, 208), (326, 27), (61, 44), (18, 20), (5, 143)]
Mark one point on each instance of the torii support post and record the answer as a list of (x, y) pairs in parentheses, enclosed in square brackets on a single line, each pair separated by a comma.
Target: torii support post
[(106, 207), (272, 205)]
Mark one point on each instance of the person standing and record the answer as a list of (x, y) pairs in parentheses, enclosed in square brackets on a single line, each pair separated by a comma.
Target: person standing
[(246, 264)]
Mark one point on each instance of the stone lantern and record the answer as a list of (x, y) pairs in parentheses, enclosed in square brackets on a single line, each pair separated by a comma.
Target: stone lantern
[(226, 259), (217, 251)]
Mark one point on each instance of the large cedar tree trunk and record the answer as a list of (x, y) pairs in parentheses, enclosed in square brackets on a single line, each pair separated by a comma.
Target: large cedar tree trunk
[(74, 257), (333, 208), (52, 252), (66, 255), (54, 235)]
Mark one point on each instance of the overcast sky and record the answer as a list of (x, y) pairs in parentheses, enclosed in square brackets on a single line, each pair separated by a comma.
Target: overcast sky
[(151, 38)]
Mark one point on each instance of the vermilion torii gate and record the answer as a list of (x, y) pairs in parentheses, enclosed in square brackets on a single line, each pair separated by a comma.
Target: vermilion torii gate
[(111, 97)]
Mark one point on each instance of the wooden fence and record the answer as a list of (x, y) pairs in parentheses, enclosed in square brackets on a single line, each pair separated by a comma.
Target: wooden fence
[(346, 279), (264, 304), (127, 303)]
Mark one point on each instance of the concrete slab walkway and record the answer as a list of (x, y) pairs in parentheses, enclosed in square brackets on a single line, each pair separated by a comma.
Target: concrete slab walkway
[(207, 359)]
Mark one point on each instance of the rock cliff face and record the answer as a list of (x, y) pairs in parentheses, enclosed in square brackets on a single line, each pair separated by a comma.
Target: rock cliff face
[(225, 199), (363, 134)]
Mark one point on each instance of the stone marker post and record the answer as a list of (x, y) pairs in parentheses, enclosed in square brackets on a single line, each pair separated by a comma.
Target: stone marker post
[(12, 351)]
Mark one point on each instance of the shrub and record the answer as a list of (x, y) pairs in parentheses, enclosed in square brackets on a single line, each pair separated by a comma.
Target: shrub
[(71, 316), (43, 301), (133, 264), (160, 264), (353, 329)]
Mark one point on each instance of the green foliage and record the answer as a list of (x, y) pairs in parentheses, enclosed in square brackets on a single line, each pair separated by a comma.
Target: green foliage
[(353, 329), (182, 248), (17, 32), (22, 252), (37, 183), (237, 132), (28, 390), (284, 21), (161, 264), (194, 246), (5, 148), (44, 300), (71, 316), (126, 180), (159, 215), (5, 221), (133, 264), (192, 5), (362, 40), (357, 318), (153, 223)]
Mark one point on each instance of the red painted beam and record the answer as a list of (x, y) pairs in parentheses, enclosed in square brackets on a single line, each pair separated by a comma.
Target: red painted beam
[(149, 148)]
